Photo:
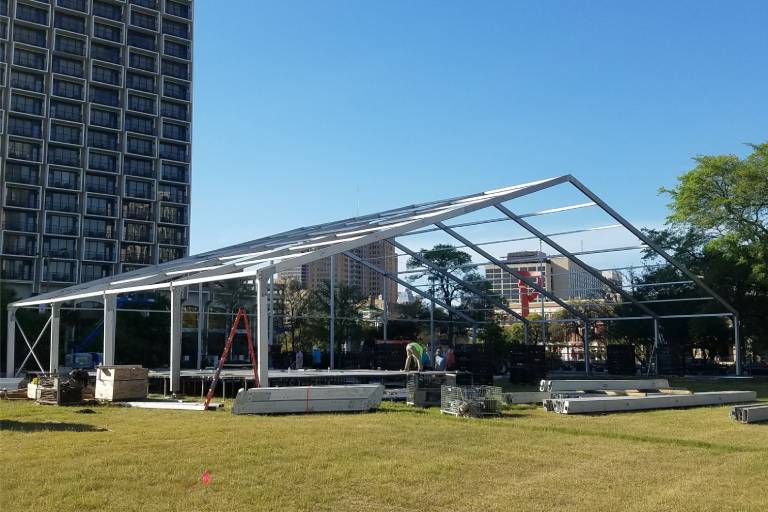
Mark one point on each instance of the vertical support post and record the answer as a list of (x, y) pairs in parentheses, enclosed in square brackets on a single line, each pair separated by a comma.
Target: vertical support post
[(200, 325), (271, 310), (10, 349), (53, 365), (175, 355), (432, 325), (385, 297), (262, 334), (656, 339), (110, 323), (332, 303), (737, 341), (586, 346)]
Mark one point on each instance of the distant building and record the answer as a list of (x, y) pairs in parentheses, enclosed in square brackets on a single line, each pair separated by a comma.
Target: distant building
[(351, 273), (565, 279)]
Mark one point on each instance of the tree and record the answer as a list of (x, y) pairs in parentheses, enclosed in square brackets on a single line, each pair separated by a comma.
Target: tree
[(348, 301), (296, 304), (453, 261), (718, 227)]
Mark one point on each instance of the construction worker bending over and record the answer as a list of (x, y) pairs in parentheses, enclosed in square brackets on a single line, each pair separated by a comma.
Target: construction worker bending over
[(413, 351)]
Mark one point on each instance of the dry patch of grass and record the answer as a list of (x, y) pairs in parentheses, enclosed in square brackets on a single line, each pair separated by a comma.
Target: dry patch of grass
[(396, 459)]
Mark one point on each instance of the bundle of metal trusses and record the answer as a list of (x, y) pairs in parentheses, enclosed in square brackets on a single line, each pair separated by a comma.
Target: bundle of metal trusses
[(750, 413), (587, 405)]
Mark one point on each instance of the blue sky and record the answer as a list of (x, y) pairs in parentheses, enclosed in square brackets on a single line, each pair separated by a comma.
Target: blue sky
[(311, 111)]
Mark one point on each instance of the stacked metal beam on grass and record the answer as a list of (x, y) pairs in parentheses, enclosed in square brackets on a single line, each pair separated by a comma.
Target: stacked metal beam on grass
[(750, 413), (588, 405), (596, 385)]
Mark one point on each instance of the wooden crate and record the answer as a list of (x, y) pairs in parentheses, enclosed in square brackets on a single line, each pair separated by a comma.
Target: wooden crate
[(121, 383)]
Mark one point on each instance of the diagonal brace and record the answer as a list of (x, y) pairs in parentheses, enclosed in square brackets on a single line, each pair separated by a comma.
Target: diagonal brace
[(506, 268), (499, 304), (32, 346), (597, 275)]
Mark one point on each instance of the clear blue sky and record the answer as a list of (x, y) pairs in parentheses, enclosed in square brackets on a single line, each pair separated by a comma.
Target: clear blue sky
[(311, 111)]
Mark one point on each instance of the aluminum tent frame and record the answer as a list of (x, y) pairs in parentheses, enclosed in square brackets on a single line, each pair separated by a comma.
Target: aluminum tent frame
[(260, 259)]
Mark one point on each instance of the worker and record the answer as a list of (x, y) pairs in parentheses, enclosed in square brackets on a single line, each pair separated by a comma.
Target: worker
[(440, 360), (413, 351), (299, 359), (450, 359)]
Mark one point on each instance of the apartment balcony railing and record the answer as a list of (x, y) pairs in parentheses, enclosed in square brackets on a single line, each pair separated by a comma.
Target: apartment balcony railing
[(20, 250), (62, 206), (172, 240), (99, 256), (23, 202), (23, 226), (68, 254), (173, 218), (136, 258), (60, 277), (98, 233), (16, 274), (56, 230)]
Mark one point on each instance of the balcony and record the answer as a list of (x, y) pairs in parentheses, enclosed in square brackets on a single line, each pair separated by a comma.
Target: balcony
[(101, 188), (62, 206), (52, 229), (23, 201), (171, 239), (17, 175), (28, 226), (59, 277), (68, 254), (98, 233), (140, 259), (99, 256), (173, 218), (17, 249), (16, 274)]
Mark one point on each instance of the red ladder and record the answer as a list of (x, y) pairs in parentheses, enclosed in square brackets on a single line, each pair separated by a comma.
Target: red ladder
[(227, 348)]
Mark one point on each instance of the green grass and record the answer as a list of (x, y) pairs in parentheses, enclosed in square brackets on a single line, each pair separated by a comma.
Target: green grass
[(399, 458)]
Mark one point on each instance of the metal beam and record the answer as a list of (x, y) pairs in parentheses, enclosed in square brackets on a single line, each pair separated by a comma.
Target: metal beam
[(458, 280), (53, 361), (200, 324), (175, 339), (645, 239), (32, 347), (262, 334), (110, 323), (385, 309), (530, 282), (410, 287), (10, 339), (562, 250), (332, 308)]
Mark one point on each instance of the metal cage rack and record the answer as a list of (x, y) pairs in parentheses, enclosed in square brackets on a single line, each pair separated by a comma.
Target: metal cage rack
[(471, 401)]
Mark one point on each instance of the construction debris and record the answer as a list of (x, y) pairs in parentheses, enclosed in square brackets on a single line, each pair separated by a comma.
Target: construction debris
[(750, 413)]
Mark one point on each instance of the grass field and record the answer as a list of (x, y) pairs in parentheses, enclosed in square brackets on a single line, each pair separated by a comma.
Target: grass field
[(399, 458)]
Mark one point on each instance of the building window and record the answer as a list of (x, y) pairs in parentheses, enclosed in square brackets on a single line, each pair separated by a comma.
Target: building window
[(59, 247), (59, 178), (100, 206), (139, 167), (177, 9), (141, 146), (176, 131), (24, 150), (25, 127), (69, 22), (175, 172), (131, 253), (23, 173), (145, 125), (176, 69), (176, 152), (76, 5), (91, 272), (141, 61), (22, 197), (28, 13), (70, 45), (174, 90), (176, 28), (151, 4), (99, 251), (175, 110), (27, 81), (102, 162), (100, 184), (108, 32), (172, 193), (109, 11), (169, 235), (106, 53), (136, 210), (26, 104), (176, 50), (67, 89), (142, 20), (63, 156), (98, 228), (60, 271), (141, 82), (141, 104), (170, 253), (138, 189), (102, 140), (29, 36), (103, 96), (141, 40), (105, 118), (67, 111), (105, 75), (67, 66), (173, 214), (61, 201), (64, 133), (29, 59)]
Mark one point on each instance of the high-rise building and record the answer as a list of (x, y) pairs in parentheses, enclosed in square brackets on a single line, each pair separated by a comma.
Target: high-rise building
[(95, 131), (351, 273)]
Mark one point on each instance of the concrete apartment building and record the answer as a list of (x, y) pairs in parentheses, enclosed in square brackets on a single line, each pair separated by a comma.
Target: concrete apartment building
[(95, 132), (564, 278), (352, 273)]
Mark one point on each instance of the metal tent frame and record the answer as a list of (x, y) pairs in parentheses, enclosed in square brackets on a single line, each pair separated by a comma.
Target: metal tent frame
[(262, 258)]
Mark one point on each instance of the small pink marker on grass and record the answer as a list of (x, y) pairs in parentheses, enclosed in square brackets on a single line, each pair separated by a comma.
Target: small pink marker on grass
[(206, 478)]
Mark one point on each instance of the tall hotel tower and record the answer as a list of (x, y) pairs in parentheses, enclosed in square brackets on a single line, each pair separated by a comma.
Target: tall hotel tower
[(95, 131)]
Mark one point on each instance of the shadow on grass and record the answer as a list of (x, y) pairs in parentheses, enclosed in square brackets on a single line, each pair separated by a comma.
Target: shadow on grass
[(47, 426)]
